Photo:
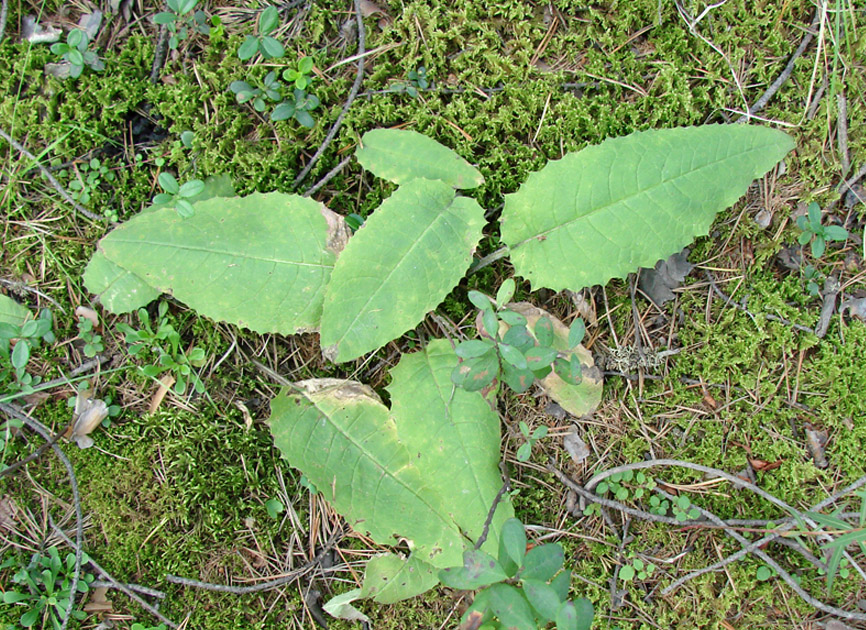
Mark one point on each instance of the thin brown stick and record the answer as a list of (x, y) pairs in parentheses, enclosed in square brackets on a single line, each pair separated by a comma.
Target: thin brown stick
[(806, 597), (123, 587), (786, 72), (11, 468), (328, 176), (484, 532), (291, 576), (51, 179), (359, 77)]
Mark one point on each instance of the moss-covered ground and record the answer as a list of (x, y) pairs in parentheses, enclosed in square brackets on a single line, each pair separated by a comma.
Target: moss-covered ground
[(183, 490)]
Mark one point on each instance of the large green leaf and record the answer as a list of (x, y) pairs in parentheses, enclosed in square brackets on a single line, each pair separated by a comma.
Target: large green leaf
[(453, 436), (401, 264), (390, 578), (11, 312), (344, 440), (260, 261), (401, 155), (119, 290), (604, 211)]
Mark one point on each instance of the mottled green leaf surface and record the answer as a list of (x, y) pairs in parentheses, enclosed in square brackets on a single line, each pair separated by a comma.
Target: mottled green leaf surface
[(119, 290), (411, 252), (260, 262), (401, 155), (12, 312), (390, 578), (344, 440), (628, 202), (450, 429)]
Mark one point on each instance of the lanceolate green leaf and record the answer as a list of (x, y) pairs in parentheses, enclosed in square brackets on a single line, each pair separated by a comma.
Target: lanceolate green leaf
[(11, 312), (604, 211), (401, 264), (401, 155), (119, 290), (452, 436), (343, 439), (260, 261), (390, 578)]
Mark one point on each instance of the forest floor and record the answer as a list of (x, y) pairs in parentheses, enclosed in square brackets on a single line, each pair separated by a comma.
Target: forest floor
[(753, 368)]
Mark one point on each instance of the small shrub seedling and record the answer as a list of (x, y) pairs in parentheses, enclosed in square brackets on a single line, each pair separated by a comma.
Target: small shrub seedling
[(636, 568), (416, 82), (46, 583), (300, 75), (163, 344), (525, 449), (520, 355), (180, 20), (524, 588), (74, 51), (297, 106), (816, 232), (258, 96), (177, 195), (92, 341), (85, 180), (270, 48), (15, 356)]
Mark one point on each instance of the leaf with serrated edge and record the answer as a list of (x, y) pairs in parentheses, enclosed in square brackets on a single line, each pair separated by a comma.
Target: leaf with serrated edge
[(409, 254), (628, 202), (579, 399), (260, 262), (401, 155), (456, 448), (12, 312), (390, 578), (340, 435)]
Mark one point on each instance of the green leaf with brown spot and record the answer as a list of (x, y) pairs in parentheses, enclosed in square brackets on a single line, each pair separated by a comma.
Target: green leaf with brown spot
[(401, 155)]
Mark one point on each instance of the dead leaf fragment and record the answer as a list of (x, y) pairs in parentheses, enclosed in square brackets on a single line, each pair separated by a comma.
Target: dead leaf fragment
[(657, 283), (338, 230), (764, 218), (8, 513), (165, 383), (90, 23), (855, 307), (97, 602), (763, 466), (816, 440), (88, 313), (575, 446), (248, 419), (38, 34), (89, 414)]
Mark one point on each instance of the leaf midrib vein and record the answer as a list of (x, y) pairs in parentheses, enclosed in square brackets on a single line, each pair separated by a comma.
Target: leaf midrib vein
[(635, 194)]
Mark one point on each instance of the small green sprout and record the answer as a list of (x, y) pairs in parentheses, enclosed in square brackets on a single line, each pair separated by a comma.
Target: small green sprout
[(44, 589), (518, 357), (274, 507), (416, 82), (636, 568), (258, 96), (300, 75), (178, 195), (92, 341), (75, 52), (818, 234), (298, 107), (180, 20), (269, 20), (525, 449), (27, 336)]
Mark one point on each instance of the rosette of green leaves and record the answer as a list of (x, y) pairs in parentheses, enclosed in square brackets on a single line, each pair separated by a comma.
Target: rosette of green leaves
[(298, 107), (519, 356), (180, 19), (816, 232), (300, 75), (27, 335), (259, 96), (270, 48), (74, 51), (522, 589), (47, 584), (178, 195)]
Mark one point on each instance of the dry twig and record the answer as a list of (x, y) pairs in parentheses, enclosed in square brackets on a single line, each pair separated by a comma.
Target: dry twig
[(359, 77)]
